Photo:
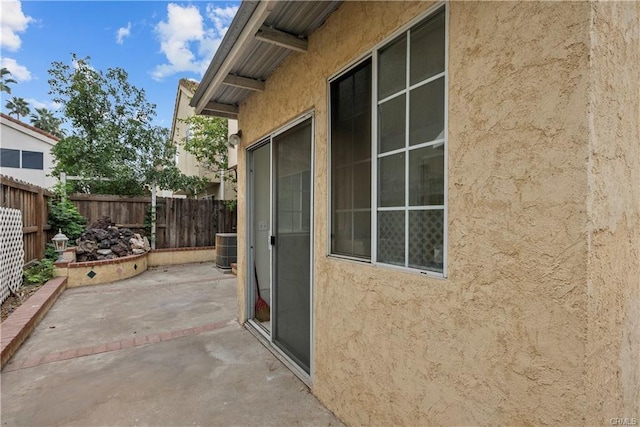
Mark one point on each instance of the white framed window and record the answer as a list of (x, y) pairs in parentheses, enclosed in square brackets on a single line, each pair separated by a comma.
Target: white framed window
[(32, 160), (407, 106), (9, 158)]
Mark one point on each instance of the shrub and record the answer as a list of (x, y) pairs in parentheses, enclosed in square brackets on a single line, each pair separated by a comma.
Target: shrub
[(50, 252), (63, 215), (40, 272)]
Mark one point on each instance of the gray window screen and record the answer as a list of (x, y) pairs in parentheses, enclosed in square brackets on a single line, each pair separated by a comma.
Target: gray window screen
[(32, 160), (409, 97), (9, 158), (351, 163)]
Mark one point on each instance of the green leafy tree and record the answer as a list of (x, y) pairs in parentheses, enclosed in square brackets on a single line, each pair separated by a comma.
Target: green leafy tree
[(207, 141), (47, 121), (64, 215), (113, 143), (5, 80), (18, 106)]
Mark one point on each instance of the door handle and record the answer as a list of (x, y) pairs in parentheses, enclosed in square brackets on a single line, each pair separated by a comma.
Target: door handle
[(273, 240)]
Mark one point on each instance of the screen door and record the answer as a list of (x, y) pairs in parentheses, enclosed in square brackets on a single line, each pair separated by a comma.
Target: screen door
[(292, 242)]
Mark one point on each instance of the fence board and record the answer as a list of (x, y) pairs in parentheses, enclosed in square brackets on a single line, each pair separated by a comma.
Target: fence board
[(180, 222), (32, 202)]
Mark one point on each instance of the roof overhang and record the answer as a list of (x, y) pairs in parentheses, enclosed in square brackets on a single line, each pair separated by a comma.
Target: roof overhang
[(262, 34)]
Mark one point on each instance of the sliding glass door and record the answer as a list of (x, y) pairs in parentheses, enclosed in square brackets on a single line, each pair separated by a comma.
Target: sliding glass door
[(281, 186), (292, 175)]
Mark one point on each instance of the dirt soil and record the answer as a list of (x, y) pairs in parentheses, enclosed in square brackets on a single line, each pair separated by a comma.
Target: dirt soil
[(15, 301)]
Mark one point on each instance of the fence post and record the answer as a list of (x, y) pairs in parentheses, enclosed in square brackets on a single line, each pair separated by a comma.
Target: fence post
[(63, 182), (153, 217), (40, 221)]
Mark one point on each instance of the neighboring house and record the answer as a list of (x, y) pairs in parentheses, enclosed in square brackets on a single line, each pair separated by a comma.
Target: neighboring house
[(220, 187), (442, 203), (25, 152)]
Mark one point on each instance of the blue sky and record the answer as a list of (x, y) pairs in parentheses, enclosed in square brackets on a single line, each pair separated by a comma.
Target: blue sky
[(157, 43)]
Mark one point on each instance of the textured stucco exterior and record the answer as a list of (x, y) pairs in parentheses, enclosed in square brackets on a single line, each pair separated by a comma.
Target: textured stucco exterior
[(537, 321), (613, 209), (78, 274)]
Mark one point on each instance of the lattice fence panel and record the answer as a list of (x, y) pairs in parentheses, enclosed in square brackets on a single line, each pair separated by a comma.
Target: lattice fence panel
[(11, 251)]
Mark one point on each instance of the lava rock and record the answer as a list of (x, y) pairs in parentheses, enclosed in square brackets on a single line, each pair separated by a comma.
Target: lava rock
[(120, 249), (102, 223), (98, 234), (138, 242), (108, 242), (86, 246)]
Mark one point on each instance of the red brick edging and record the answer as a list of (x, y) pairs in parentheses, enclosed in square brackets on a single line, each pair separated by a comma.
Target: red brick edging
[(19, 325), (116, 345)]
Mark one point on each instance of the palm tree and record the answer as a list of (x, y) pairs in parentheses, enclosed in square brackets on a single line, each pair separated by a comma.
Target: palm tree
[(5, 80), (42, 119), (45, 120), (18, 106), (55, 128)]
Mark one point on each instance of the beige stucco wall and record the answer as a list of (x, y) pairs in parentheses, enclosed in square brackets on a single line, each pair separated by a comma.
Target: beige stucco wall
[(505, 339), (181, 256), (613, 209), (105, 271)]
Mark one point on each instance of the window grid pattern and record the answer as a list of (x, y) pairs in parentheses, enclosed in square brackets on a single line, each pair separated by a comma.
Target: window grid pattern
[(407, 108), (410, 150)]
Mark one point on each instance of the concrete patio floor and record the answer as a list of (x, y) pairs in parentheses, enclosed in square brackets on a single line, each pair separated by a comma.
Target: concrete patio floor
[(162, 348)]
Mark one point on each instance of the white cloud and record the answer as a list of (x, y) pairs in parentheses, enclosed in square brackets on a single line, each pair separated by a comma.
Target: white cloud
[(188, 40), (122, 33), (12, 22), (221, 16), (18, 72), (49, 105)]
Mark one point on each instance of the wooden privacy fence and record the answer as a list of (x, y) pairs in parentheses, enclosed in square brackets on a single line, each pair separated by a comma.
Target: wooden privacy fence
[(32, 201), (180, 222), (192, 223)]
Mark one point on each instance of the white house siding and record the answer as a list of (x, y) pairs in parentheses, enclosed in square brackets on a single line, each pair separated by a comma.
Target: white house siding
[(20, 136)]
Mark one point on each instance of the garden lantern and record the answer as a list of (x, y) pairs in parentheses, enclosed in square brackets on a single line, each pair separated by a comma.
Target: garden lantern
[(60, 241)]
